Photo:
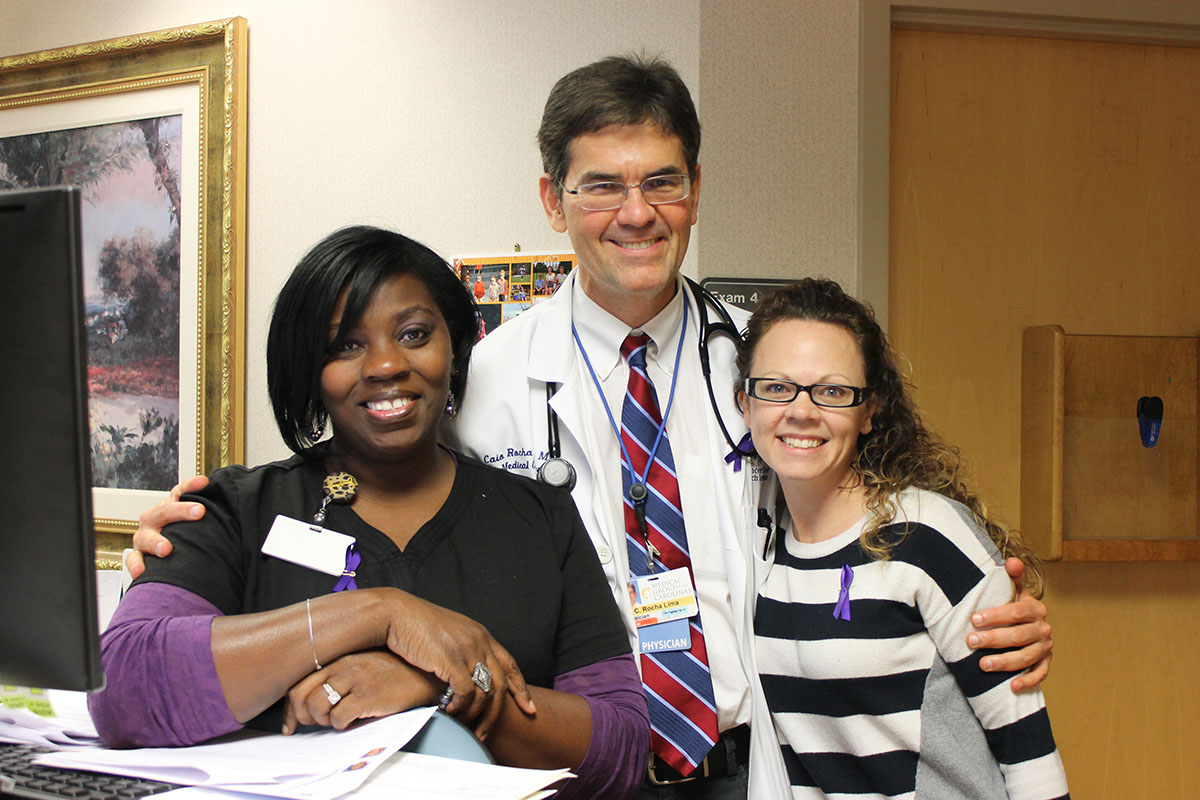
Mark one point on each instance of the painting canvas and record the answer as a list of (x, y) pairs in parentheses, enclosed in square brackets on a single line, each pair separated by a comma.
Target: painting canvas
[(129, 176)]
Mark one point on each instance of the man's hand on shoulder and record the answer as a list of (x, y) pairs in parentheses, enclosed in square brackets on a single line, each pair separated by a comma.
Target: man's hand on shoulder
[(1021, 626), (149, 539)]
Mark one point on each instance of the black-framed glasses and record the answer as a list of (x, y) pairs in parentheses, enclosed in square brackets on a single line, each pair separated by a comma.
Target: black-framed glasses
[(830, 395), (608, 195)]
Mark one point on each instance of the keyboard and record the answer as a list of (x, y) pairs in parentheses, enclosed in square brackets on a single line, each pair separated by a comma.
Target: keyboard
[(20, 777)]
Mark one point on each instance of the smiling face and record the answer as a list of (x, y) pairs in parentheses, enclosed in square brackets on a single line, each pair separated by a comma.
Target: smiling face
[(810, 447), (629, 256), (386, 383)]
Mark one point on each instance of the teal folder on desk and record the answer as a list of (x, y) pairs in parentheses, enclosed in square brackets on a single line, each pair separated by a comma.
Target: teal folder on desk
[(445, 736)]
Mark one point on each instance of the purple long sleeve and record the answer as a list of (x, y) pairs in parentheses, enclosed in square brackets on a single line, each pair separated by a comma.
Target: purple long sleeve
[(163, 688), (616, 758)]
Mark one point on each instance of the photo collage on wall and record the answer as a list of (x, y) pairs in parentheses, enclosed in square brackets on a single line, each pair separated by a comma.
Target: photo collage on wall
[(504, 286)]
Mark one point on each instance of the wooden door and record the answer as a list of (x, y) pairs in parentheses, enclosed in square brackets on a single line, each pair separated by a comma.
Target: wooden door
[(1039, 181)]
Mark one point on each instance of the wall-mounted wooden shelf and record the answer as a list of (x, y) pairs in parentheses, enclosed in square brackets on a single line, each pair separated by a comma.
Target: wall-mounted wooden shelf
[(1089, 490)]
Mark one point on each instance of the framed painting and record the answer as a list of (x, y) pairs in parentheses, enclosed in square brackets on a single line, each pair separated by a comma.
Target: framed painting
[(152, 128)]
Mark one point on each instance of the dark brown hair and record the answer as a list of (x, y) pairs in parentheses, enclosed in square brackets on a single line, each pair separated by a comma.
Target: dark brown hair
[(618, 90), (899, 452)]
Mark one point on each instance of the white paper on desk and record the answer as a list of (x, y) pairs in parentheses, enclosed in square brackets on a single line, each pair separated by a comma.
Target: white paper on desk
[(435, 778), (69, 727), (264, 763)]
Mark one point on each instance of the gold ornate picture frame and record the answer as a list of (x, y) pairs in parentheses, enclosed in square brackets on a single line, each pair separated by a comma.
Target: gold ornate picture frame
[(197, 73)]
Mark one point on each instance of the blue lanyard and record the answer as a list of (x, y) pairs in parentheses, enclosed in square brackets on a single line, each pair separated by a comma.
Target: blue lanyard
[(662, 426)]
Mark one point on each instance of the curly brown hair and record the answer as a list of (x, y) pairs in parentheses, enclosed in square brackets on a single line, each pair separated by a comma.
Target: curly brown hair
[(899, 452)]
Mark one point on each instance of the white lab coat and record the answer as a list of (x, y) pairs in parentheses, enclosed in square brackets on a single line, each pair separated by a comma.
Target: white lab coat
[(503, 422)]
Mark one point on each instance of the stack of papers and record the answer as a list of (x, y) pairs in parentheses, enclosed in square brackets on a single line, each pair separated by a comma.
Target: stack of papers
[(414, 775), (320, 765), (70, 726)]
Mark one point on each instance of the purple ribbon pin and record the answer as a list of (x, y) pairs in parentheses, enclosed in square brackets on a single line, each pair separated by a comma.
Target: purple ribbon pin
[(346, 582), (743, 449), (842, 609)]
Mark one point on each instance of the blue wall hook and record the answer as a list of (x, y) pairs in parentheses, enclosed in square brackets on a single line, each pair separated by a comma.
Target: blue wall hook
[(1150, 415)]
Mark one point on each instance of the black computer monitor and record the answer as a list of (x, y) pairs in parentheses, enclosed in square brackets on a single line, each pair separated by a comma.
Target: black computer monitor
[(48, 619)]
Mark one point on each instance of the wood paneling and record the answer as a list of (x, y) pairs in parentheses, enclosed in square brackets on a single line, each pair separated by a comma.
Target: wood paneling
[(1049, 182), (1043, 390), (1113, 487), (1090, 489)]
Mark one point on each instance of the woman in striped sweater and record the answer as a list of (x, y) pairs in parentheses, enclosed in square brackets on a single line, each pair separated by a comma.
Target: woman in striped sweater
[(881, 555)]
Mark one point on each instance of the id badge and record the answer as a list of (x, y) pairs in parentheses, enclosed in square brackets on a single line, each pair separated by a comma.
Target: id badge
[(662, 604), (665, 636), (307, 545), (663, 597)]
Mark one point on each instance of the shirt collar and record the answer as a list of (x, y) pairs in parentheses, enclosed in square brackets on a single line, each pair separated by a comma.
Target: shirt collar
[(602, 334)]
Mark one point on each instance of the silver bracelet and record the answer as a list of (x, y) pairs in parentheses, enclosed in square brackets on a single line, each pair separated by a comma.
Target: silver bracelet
[(311, 641)]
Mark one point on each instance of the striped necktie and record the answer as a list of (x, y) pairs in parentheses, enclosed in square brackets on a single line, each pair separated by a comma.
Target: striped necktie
[(683, 717)]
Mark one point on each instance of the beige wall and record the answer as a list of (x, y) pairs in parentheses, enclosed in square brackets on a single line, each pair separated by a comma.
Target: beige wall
[(779, 108)]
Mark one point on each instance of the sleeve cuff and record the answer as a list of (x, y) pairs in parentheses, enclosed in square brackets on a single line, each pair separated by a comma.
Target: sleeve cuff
[(616, 758)]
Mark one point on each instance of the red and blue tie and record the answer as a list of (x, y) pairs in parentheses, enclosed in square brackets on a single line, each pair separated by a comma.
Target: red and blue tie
[(683, 717)]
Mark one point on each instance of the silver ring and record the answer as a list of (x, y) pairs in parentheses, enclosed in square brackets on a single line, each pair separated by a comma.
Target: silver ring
[(445, 699), (482, 677), (332, 694)]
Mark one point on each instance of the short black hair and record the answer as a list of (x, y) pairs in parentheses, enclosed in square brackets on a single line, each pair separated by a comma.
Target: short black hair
[(357, 258), (618, 90)]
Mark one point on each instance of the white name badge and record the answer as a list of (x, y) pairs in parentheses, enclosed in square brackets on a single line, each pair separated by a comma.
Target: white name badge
[(307, 544), (663, 597)]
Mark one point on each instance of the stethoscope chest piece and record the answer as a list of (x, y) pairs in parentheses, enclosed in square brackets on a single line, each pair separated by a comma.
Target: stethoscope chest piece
[(557, 472)]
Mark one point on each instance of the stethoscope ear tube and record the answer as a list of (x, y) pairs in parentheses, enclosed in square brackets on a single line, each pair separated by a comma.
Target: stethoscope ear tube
[(556, 470), (724, 325)]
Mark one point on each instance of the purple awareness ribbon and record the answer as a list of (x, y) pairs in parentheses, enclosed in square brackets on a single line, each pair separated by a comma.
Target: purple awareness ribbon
[(743, 449), (842, 609), (346, 582)]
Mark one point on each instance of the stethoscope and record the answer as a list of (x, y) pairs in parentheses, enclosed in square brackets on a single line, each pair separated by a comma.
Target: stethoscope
[(557, 471)]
